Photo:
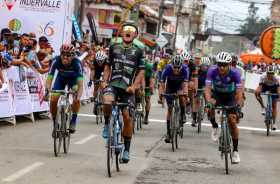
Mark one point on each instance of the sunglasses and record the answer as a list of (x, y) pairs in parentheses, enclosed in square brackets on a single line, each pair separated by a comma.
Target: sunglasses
[(129, 29), (223, 64), (67, 54)]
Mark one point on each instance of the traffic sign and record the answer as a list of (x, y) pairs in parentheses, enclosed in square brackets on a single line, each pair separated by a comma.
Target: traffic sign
[(161, 41)]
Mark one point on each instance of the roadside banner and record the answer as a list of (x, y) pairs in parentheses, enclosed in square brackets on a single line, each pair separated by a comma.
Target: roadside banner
[(52, 19)]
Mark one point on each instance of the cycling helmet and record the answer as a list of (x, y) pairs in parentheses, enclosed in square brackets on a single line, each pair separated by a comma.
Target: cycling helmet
[(157, 59), (205, 61), (177, 61), (234, 58), (100, 57), (186, 56), (270, 69), (224, 57), (67, 48), (132, 24)]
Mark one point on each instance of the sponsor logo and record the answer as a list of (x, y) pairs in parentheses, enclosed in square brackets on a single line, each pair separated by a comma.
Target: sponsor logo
[(15, 25), (47, 29), (41, 5), (10, 4)]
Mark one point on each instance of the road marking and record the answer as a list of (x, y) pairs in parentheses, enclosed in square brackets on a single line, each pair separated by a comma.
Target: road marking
[(203, 124), (23, 172), (87, 115), (86, 139)]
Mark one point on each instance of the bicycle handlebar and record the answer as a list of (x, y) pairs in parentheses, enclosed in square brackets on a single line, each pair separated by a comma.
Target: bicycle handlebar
[(63, 91), (269, 94), (221, 107), (173, 94)]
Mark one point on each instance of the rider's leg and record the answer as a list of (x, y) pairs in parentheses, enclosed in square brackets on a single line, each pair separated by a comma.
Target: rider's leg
[(182, 100), (108, 98), (95, 89), (53, 106), (258, 96), (148, 107), (211, 115), (195, 107), (233, 121), (127, 129), (168, 116), (274, 111)]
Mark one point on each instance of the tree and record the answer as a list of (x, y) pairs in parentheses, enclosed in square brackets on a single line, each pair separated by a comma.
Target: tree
[(253, 26)]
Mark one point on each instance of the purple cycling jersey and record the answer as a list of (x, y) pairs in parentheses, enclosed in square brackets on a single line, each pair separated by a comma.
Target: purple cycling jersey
[(223, 84), (174, 81)]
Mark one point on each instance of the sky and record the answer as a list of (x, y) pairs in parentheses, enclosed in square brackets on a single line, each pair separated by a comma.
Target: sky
[(230, 14)]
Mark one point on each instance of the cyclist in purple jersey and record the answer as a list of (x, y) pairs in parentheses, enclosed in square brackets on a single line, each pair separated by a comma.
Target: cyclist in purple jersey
[(224, 87), (174, 79)]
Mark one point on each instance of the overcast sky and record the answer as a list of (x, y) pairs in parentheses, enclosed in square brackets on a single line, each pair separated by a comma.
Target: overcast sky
[(229, 14)]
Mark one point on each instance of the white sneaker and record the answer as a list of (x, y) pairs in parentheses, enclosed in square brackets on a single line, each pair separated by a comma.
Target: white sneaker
[(214, 135), (263, 111), (235, 157), (274, 127)]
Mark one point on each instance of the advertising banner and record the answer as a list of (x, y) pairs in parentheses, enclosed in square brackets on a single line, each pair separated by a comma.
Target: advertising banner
[(6, 108), (36, 90), (50, 18)]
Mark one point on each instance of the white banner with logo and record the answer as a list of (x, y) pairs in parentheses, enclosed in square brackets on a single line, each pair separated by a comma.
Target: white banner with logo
[(6, 107), (50, 18), (36, 90)]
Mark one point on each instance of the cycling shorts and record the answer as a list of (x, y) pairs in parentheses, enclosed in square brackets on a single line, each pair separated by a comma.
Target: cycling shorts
[(61, 82)]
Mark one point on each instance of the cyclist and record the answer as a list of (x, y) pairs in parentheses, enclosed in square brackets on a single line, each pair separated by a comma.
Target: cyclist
[(174, 80), (240, 67), (120, 80), (161, 66), (96, 72), (149, 89), (193, 82), (69, 74), (224, 87), (202, 73), (269, 82)]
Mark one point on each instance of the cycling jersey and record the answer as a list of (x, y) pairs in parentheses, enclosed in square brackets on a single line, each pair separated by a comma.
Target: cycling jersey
[(125, 62), (192, 68), (223, 87), (162, 64), (98, 69), (269, 85), (74, 70), (201, 78), (148, 76), (174, 82), (67, 75)]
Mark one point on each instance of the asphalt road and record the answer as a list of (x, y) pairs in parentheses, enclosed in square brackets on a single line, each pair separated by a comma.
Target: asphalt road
[(26, 154)]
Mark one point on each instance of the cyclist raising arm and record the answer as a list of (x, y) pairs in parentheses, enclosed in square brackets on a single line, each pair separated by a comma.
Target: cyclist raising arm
[(69, 74), (175, 80), (120, 80), (224, 87)]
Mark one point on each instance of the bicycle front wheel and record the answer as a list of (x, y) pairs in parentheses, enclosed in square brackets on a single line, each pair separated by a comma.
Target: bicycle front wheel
[(66, 133), (268, 125), (110, 150), (174, 138), (57, 137), (225, 147), (199, 120)]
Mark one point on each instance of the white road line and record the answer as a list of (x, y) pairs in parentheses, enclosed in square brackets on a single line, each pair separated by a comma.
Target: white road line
[(86, 115), (23, 172), (86, 139), (203, 124)]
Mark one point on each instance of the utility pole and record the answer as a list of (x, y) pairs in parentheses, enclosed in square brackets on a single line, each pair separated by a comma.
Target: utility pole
[(82, 12), (161, 9), (177, 23)]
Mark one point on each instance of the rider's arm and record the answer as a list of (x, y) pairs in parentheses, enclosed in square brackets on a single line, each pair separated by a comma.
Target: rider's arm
[(139, 78), (80, 80), (163, 81), (208, 87), (239, 89), (51, 74), (1, 78)]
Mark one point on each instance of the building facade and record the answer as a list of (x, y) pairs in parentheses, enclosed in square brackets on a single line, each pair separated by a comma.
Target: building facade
[(275, 12)]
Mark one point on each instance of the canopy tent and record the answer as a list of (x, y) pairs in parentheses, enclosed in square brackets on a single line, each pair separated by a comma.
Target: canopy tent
[(256, 56)]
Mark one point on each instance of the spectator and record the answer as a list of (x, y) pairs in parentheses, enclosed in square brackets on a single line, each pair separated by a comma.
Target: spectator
[(45, 52)]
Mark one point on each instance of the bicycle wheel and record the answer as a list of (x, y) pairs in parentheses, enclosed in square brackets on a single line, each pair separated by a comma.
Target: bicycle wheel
[(110, 149), (173, 130), (268, 125), (57, 138), (137, 117), (66, 133), (226, 146), (199, 120)]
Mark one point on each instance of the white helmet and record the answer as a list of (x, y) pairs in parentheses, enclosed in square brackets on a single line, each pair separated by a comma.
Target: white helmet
[(157, 59), (186, 56), (205, 61), (100, 57), (224, 57)]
